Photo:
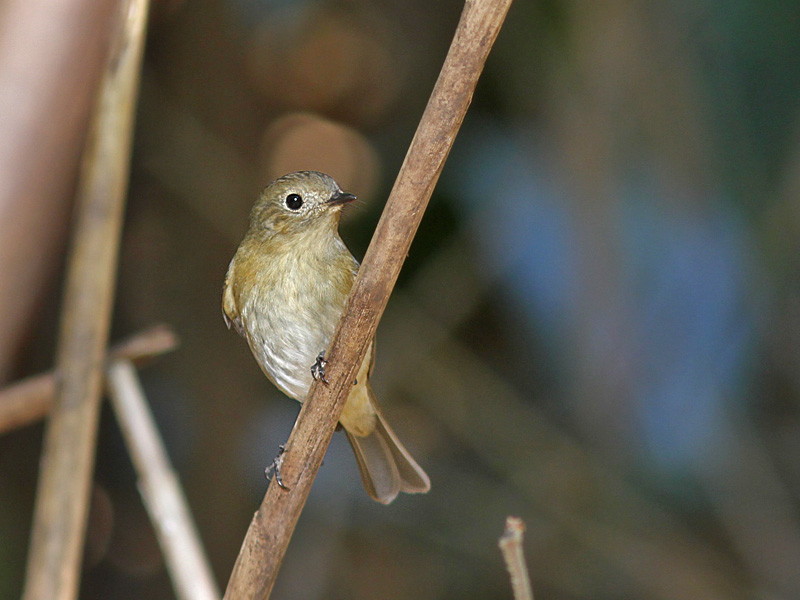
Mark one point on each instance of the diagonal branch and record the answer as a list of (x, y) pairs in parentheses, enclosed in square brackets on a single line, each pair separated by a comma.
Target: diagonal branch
[(158, 484), (56, 549), (272, 526)]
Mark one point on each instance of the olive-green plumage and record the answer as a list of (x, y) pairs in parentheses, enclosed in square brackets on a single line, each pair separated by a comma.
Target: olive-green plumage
[(285, 291)]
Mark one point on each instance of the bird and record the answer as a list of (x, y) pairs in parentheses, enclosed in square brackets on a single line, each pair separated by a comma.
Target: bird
[(284, 292)]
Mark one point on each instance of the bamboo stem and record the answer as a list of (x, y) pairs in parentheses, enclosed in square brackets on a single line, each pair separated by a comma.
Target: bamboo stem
[(31, 399), (61, 509), (158, 484), (272, 526)]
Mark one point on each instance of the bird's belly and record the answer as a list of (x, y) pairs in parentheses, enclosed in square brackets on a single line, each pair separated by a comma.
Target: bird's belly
[(286, 345)]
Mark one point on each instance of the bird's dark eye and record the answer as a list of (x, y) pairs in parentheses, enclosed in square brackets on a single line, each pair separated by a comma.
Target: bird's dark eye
[(294, 201)]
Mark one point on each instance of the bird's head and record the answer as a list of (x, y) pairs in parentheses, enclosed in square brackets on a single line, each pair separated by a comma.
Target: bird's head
[(300, 201)]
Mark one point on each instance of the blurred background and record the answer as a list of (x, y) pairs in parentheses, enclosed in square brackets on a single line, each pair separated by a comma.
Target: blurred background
[(596, 328)]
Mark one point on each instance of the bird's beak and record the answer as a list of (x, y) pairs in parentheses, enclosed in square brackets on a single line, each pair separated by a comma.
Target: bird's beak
[(341, 197)]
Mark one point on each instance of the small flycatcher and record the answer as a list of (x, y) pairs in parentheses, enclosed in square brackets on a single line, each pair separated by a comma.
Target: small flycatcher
[(285, 291)]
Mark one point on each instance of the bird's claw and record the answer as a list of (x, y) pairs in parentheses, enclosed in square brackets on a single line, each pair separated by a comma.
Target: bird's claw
[(318, 368), (275, 467)]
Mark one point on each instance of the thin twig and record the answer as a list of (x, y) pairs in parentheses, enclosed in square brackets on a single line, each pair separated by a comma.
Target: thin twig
[(31, 399), (61, 509), (158, 484), (514, 556), (272, 526)]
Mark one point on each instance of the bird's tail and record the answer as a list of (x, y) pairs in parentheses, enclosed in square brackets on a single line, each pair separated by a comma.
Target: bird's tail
[(386, 467)]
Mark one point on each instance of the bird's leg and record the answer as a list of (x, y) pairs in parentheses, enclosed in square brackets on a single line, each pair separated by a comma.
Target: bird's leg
[(275, 467), (318, 368)]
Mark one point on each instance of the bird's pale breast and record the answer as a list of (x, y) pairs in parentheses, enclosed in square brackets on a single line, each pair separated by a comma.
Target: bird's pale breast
[(290, 316)]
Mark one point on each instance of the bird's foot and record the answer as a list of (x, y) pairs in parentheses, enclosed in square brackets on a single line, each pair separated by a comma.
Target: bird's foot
[(318, 368), (275, 467)]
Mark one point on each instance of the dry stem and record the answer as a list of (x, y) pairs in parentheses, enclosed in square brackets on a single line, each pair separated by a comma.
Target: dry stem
[(169, 512), (511, 546), (31, 399), (61, 509), (272, 526)]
